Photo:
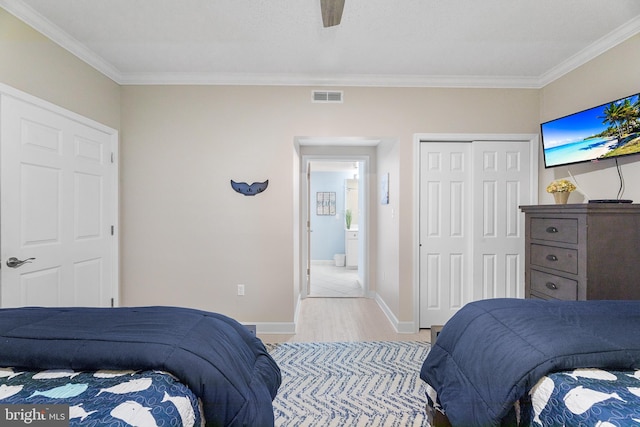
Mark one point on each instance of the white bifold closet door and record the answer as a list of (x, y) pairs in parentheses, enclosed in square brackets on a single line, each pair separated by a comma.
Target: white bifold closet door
[(471, 229)]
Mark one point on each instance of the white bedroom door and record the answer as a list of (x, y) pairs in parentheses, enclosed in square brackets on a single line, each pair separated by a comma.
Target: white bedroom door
[(58, 207), (471, 229)]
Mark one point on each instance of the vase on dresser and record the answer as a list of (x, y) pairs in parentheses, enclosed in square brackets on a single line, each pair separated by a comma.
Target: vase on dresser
[(561, 197)]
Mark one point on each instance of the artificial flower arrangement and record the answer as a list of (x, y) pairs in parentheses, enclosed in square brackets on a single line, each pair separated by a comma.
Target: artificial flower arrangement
[(561, 186), (347, 218)]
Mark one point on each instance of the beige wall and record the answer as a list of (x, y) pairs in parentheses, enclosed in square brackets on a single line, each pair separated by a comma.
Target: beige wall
[(188, 239), (612, 75), (34, 64), (387, 271)]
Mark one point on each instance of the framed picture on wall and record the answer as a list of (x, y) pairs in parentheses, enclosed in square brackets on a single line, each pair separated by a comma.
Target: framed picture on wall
[(384, 189), (325, 203)]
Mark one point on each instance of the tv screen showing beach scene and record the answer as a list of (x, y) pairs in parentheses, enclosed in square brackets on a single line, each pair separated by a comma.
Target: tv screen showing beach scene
[(606, 131)]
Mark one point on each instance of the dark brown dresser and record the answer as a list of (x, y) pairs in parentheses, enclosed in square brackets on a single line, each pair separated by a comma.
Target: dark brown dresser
[(582, 251)]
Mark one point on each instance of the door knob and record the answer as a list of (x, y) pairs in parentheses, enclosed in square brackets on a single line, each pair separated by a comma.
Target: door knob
[(14, 262)]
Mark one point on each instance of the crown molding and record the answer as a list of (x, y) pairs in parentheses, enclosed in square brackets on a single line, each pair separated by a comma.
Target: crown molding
[(41, 24), (38, 22), (592, 51), (348, 80)]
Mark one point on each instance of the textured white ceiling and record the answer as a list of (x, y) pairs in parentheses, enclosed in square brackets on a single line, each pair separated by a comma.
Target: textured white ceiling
[(499, 43)]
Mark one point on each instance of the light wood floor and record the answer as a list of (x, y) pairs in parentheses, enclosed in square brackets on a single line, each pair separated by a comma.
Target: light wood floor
[(343, 319)]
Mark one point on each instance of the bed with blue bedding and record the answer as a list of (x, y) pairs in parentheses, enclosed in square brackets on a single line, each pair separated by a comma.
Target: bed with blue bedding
[(164, 365), (104, 397), (513, 362)]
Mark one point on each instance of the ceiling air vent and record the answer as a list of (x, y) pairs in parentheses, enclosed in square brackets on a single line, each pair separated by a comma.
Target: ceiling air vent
[(334, 96)]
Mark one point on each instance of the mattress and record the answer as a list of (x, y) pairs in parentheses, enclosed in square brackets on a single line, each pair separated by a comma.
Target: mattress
[(106, 397)]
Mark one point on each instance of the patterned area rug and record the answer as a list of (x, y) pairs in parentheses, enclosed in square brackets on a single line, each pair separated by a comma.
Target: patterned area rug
[(350, 384)]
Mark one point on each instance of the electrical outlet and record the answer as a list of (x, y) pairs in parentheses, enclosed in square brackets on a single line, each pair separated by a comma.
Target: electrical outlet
[(241, 290)]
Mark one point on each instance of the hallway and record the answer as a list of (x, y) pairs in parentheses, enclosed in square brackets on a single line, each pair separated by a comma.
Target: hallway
[(329, 281), (343, 319)]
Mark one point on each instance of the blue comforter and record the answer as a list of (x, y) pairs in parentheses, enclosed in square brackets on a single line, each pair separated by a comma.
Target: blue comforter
[(492, 352), (228, 368)]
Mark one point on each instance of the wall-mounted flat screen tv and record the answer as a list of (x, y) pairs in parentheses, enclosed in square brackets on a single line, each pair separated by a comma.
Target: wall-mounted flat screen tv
[(603, 132)]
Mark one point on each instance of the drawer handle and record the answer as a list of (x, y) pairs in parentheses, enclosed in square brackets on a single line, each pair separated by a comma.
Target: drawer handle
[(552, 230), (552, 286), (552, 258)]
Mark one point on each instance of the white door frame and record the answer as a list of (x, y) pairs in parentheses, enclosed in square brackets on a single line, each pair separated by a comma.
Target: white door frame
[(6, 90), (458, 137), (335, 148)]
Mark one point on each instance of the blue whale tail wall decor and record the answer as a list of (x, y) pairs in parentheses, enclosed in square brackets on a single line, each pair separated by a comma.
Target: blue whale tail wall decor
[(249, 190)]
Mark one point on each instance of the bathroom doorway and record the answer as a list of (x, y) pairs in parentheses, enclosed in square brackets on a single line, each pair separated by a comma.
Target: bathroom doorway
[(334, 232)]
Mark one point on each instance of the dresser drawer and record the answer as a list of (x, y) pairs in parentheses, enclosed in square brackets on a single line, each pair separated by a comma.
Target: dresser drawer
[(561, 259), (554, 286), (555, 229)]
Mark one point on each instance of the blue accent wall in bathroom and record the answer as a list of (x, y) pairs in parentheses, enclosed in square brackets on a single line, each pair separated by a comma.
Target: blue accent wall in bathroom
[(327, 238)]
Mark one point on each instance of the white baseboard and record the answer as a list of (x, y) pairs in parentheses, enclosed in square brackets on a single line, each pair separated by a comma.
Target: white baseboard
[(276, 328), (400, 327), (280, 328), (296, 315)]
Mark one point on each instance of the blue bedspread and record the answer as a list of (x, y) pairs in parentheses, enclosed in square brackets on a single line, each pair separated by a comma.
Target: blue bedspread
[(227, 367), (492, 352)]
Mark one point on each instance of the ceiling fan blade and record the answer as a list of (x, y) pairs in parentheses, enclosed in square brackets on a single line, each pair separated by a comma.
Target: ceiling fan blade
[(331, 12)]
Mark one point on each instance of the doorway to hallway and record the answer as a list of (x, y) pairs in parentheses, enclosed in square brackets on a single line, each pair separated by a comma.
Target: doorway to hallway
[(338, 149), (335, 267)]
